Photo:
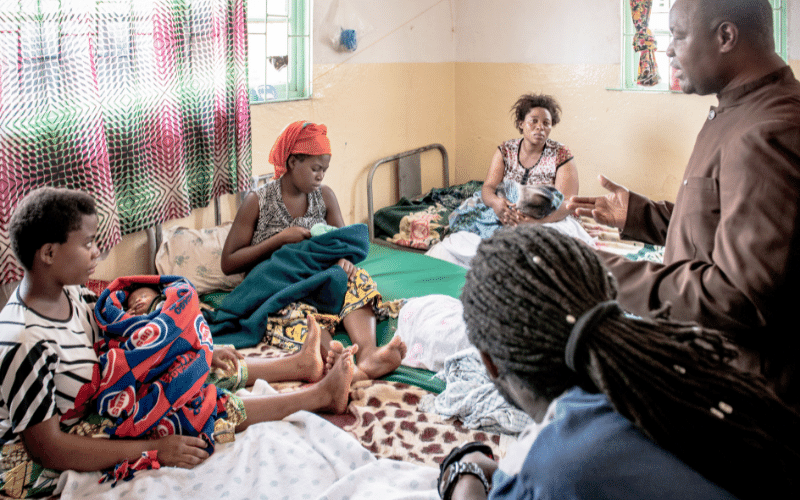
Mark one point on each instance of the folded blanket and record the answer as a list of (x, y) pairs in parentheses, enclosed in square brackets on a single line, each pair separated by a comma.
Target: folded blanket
[(299, 272), (153, 368), (473, 398)]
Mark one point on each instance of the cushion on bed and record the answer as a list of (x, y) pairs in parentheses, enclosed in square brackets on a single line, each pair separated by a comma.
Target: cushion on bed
[(195, 254)]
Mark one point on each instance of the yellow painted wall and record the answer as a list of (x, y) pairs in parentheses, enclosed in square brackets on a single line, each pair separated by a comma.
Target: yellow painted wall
[(642, 140), (371, 111)]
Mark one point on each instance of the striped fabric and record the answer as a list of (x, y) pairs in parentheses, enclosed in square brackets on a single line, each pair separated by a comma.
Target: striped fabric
[(141, 103), (50, 360)]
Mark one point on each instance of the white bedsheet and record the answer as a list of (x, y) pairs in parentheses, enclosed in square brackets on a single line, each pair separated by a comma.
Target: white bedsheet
[(460, 247), (301, 457)]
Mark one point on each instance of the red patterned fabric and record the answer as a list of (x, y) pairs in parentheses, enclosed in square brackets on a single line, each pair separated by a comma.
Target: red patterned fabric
[(154, 367), (299, 137), (124, 470), (142, 105), (644, 42)]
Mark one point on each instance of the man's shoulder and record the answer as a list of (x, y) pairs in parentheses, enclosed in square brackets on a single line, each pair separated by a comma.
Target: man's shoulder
[(776, 102)]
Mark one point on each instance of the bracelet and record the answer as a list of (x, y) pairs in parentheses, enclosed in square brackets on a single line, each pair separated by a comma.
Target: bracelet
[(456, 470)]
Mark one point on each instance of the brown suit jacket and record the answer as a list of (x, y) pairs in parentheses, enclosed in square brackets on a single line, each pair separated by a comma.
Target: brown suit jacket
[(732, 238)]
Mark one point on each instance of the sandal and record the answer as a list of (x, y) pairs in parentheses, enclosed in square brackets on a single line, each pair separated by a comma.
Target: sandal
[(457, 453)]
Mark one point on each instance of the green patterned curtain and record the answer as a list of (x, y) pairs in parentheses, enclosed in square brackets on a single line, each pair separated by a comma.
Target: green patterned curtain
[(141, 103), (644, 42)]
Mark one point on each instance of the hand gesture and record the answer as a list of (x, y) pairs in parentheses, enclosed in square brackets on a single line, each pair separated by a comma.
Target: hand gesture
[(611, 209), (515, 217), (225, 358), (349, 268), (181, 451), (294, 234), (504, 210)]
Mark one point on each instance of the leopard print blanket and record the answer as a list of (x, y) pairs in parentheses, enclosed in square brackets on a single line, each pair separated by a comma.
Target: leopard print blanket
[(384, 418)]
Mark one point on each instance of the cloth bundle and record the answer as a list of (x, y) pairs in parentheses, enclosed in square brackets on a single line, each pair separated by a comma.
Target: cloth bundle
[(299, 272), (153, 368)]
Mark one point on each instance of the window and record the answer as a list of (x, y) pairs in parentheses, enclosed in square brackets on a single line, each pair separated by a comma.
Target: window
[(659, 25), (279, 50)]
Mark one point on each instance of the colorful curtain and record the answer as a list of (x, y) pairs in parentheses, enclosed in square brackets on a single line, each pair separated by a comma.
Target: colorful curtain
[(141, 103), (644, 42)]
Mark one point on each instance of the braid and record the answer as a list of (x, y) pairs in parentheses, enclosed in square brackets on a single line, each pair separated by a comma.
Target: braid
[(673, 380)]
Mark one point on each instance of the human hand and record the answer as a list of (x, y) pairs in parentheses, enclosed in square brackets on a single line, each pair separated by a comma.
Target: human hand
[(294, 234), (611, 209), (503, 209), (225, 357), (515, 217), (181, 451), (349, 268)]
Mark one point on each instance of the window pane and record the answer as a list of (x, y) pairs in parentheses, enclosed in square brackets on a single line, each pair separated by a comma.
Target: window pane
[(276, 7), (279, 69), (277, 36), (659, 25), (256, 11)]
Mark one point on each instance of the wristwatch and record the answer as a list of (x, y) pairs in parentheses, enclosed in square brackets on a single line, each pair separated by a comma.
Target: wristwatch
[(456, 469)]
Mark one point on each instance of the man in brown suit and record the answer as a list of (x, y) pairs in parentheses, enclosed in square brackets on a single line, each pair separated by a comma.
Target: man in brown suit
[(731, 237)]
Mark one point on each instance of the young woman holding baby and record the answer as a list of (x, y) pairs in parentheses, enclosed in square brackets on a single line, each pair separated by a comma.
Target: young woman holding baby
[(533, 159)]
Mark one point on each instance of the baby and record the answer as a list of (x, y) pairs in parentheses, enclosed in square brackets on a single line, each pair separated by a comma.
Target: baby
[(534, 201), (143, 300)]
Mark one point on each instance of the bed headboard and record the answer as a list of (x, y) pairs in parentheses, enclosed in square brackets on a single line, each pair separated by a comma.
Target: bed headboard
[(409, 179), (155, 233)]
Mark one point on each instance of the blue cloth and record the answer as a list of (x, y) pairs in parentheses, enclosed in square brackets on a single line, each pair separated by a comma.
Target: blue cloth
[(591, 452), (305, 271)]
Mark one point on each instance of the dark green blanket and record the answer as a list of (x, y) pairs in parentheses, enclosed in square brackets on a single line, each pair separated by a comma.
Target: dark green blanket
[(304, 271)]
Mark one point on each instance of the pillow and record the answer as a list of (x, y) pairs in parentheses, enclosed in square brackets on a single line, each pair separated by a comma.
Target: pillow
[(433, 328), (195, 254)]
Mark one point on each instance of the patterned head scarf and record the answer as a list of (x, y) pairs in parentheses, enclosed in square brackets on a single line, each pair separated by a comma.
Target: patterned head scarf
[(299, 137)]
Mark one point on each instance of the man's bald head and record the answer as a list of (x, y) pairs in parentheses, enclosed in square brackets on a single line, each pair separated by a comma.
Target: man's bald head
[(753, 18)]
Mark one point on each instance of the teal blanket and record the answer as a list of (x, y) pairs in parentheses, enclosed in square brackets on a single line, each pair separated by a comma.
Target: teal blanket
[(304, 271)]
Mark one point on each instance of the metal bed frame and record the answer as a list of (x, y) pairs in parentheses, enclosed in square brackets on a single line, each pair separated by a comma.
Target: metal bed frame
[(409, 183)]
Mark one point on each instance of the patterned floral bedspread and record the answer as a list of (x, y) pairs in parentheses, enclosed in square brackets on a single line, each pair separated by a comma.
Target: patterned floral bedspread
[(423, 222), (383, 416)]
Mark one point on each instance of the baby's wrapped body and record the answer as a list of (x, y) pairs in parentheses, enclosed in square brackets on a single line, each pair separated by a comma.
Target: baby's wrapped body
[(534, 201)]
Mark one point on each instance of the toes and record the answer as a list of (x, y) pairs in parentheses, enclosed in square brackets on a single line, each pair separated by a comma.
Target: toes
[(336, 346)]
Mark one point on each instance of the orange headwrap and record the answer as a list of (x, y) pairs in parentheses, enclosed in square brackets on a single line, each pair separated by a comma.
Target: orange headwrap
[(299, 137)]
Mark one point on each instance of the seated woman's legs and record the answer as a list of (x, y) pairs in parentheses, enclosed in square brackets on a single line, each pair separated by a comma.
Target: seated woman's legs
[(371, 361), (307, 364), (329, 395)]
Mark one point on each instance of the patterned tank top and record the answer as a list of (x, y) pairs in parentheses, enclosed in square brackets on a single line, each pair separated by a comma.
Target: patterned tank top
[(553, 156), (273, 216)]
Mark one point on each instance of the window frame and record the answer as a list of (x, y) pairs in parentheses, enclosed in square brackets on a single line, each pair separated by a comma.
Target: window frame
[(299, 48), (630, 58)]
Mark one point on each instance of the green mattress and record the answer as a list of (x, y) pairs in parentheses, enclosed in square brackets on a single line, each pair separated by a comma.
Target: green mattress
[(403, 275), (400, 275)]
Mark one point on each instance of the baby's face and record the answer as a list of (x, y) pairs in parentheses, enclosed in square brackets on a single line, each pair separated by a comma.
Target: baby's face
[(140, 299), (538, 201)]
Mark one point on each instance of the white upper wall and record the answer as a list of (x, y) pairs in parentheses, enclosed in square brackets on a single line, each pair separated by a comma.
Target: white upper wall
[(502, 31), (538, 31), (404, 31)]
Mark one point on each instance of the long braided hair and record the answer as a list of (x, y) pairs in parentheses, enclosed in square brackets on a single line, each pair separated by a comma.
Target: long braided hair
[(529, 285)]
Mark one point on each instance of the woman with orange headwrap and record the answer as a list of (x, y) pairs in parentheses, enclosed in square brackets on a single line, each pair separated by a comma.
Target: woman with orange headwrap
[(284, 211)]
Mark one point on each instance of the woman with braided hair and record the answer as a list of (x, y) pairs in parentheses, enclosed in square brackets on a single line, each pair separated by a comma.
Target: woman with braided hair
[(644, 408)]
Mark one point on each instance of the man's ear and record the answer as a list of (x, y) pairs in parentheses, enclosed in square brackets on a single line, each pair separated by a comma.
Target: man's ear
[(488, 362), (727, 36), (47, 253)]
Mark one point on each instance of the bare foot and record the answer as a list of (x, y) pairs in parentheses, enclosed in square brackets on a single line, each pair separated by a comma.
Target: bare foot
[(384, 360), (335, 350), (310, 365), (336, 383)]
